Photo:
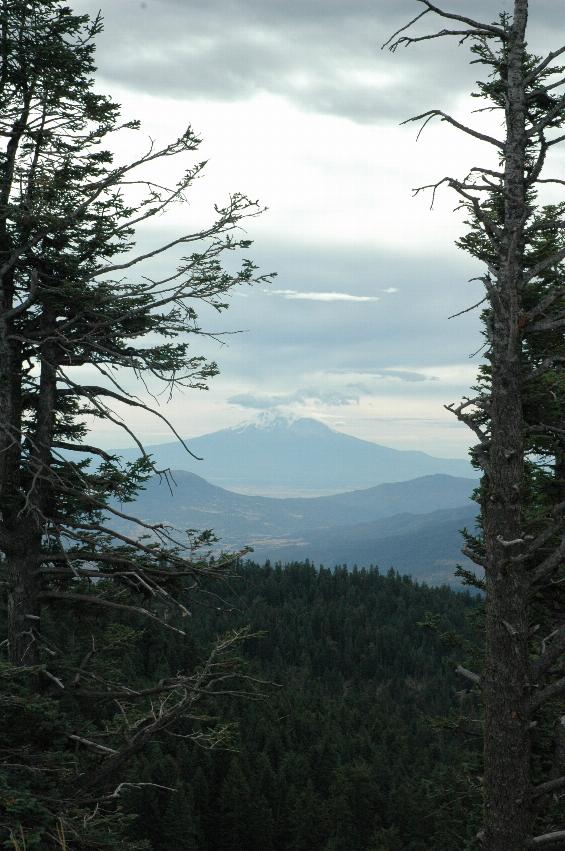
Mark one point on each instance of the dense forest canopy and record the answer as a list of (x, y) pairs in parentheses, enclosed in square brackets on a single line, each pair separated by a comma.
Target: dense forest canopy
[(347, 744)]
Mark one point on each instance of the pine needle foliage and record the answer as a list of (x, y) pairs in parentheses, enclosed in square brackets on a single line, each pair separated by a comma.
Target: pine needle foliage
[(84, 323)]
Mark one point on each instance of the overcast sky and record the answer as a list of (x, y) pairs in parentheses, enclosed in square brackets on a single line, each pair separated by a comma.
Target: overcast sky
[(298, 106)]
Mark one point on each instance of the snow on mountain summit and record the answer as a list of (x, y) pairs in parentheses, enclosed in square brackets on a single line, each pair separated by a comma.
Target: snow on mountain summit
[(278, 455), (268, 421)]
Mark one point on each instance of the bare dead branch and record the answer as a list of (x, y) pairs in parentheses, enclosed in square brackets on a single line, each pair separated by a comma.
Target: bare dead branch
[(85, 448), (152, 551), (547, 365), (489, 171), (477, 28), (229, 221), (555, 141), (543, 428), (468, 420), (549, 787), (541, 66), (8, 315), (93, 391), (401, 30), (84, 662), (96, 600), (473, 556), (53, 679), (453, 16), (469, 675), (93, 745), (547, 325), (551, 654), (443, 116), (546, 839), (547, 118), (550, 180), (406, 41), (467, 309), (550, 692), (546, 302), (549, 564)]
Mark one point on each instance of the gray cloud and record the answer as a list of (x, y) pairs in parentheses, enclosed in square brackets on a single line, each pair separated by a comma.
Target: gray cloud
[(349, 395), (386, 372), (285, 341), (406, 375), (257, 401), (325, 57)]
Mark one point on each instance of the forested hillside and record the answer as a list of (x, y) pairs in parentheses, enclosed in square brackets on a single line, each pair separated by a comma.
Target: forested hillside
[(413, 526), (345, 752)]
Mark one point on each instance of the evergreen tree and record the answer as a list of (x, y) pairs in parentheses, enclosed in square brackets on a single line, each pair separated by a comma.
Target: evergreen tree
[(73, 304), (344, 761), (517, 416), (235, 805), (178, 830)]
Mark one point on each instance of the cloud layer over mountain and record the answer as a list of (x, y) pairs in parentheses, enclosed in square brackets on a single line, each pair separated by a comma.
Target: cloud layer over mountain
[(299, 106)]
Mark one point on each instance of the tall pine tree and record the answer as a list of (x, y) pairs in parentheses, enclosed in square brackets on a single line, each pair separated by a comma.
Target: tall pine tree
[(517, 416), (80, 326)]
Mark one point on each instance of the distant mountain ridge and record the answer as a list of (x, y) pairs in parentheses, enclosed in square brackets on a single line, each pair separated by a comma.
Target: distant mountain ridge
[(410, 525), (425, 546), (302, 457)]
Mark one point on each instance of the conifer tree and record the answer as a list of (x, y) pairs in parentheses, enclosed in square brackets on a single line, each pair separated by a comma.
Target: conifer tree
[(82, 321), (517, 416)]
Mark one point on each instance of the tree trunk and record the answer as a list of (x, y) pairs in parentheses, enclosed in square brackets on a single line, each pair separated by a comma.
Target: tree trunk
[(30, 524), (508, 812), (16, 537), (23, 608)]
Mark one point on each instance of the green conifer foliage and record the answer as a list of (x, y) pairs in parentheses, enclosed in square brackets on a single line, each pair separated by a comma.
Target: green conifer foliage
[(516, 413), (334, 756), (83, 322)]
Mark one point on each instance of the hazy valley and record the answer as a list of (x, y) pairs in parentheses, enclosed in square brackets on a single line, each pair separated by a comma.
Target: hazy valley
[(406, 520)]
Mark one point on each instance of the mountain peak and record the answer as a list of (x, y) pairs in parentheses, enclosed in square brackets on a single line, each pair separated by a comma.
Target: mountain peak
[(268, 421), (277, 455)]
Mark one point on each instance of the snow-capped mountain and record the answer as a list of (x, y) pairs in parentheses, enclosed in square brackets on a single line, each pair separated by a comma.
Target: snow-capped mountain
[(279, 456)]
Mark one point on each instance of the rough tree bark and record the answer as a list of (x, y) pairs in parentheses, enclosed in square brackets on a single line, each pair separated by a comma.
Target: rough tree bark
[(508, 813), (518, 417)]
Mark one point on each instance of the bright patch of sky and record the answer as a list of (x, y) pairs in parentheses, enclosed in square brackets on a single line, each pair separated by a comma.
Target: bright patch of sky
[(321, 296), (298, 106)]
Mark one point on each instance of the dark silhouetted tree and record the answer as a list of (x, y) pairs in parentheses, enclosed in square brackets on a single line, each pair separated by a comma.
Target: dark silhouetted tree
[(517, 416), (81, 327)]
